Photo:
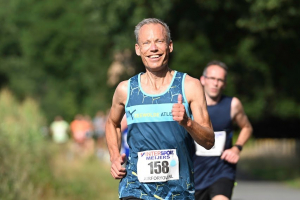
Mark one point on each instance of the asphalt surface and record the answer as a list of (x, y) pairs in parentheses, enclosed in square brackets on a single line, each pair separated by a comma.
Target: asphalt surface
[(248, 188)]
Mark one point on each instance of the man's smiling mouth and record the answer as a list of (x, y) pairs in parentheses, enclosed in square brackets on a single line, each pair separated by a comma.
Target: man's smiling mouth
[(154, 56)]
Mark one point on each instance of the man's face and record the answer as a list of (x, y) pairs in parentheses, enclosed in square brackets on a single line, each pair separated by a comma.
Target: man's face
[(153, 46), (214, 81)]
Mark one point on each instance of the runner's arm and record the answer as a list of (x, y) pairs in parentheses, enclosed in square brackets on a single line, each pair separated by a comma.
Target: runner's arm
[(238, 115), (240, 118), (113, 130), (200, 128)]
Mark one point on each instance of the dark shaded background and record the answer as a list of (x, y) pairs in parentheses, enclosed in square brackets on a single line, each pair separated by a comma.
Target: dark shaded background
[(61, 52)]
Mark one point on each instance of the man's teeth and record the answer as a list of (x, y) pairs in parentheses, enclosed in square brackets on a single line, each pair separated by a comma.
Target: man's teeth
[(155, 56)]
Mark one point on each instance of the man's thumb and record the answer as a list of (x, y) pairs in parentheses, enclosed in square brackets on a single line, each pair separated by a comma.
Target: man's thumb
[(180, 99)]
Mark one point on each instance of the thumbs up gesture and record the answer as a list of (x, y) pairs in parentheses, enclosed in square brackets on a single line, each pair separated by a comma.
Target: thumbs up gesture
[(178, 112)]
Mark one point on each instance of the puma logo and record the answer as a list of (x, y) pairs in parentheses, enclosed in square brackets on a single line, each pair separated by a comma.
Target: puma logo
[(131, 113)]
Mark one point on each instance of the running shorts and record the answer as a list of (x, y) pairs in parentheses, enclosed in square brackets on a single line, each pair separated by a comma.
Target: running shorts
[(223, 186), (130, 198)]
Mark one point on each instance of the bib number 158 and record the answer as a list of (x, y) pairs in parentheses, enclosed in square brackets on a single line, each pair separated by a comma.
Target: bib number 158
[(158, 167)]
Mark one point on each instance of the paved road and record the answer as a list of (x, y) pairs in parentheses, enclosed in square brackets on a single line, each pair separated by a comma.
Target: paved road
[(249, 189), (263, 190)]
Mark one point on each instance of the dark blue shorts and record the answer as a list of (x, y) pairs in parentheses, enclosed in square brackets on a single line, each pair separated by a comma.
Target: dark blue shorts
[(223, 186), (130, 198)]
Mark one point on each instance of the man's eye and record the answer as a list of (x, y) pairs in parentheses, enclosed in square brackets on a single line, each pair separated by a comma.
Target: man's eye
[(146, 43)]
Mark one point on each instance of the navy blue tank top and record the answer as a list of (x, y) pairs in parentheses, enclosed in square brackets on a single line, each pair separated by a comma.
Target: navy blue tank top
[(209, 169), (151, 127)]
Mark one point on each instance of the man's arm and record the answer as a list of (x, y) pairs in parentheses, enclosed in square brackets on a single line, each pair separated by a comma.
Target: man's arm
[(200, 128), (240, 118), (113, 131)]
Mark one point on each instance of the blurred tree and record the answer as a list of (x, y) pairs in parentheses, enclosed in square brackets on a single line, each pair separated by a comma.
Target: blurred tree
[(66, 53), (59, 51), (273, 28), (53, 53), (258, 40)]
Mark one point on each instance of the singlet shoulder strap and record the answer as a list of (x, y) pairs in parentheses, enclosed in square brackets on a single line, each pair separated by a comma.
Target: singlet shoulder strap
[(132, 83)]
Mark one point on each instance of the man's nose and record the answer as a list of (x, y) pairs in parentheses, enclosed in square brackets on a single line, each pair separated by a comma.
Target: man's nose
[(215, 81), (153, 46)]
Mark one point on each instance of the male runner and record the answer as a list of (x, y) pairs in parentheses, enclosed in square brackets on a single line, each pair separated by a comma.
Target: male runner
[(215, 169), (159, 105)]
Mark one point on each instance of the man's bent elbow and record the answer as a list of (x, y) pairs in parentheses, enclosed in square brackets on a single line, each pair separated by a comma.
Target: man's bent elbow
[(210, 143), (207, 143)]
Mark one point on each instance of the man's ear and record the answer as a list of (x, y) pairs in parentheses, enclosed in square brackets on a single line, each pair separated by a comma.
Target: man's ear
[(202, 80), (171, 46), (137, 50)]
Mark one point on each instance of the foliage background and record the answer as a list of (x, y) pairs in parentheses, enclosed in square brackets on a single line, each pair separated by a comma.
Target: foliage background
[(34, 168), (56, 58), (59, 52)]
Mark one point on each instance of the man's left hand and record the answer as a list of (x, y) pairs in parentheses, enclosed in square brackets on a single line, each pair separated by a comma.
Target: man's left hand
[(231, 155), (178, 112)]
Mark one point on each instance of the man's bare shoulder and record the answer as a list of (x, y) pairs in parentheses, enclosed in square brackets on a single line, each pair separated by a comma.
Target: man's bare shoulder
[(122, 86), (236, 107), (192, 82), (236, 103), (193, 89), (121, 92)]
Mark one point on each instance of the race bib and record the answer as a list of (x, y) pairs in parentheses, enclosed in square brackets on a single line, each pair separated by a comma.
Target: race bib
[(158, 165), (217, 149)]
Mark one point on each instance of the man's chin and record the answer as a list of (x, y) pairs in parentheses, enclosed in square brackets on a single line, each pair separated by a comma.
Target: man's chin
[(214, 96), (156, 67)]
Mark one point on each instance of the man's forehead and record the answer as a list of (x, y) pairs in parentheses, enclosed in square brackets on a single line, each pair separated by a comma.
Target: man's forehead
[(149, 29), (216, 69)]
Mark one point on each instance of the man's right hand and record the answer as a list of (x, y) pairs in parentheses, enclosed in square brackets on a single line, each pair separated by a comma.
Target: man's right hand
[(116, 170)]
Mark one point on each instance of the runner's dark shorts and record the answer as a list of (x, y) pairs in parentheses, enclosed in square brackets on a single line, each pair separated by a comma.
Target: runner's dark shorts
[(130, 198), (223, 186)]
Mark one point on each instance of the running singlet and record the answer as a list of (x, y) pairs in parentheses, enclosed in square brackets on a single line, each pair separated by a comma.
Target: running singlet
[(160, 163), (208, 169)]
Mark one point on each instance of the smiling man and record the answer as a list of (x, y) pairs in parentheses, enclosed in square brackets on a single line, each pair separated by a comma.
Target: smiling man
[(165, 111)]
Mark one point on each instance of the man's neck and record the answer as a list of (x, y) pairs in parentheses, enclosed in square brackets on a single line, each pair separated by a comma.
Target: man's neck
[(212, 101), (158, 81)]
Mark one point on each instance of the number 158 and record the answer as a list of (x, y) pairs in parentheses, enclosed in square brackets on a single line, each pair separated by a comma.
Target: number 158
[(158, 167)]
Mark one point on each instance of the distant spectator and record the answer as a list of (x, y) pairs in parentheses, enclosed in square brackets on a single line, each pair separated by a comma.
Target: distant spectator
[(99, 131), (79, 129), (90, 127), (59, 130), (89, 144)]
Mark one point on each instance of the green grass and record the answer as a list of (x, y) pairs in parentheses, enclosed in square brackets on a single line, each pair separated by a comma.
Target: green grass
[(82, 178), (21, 149), (294, 182), (33, 168)]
